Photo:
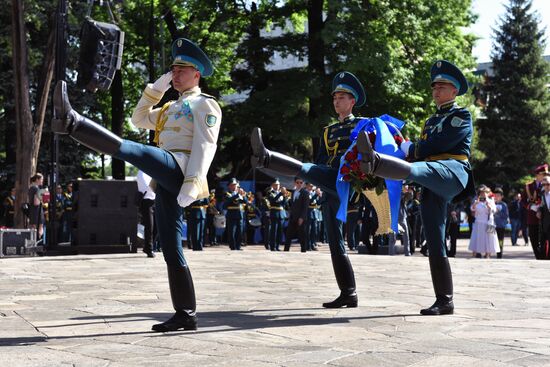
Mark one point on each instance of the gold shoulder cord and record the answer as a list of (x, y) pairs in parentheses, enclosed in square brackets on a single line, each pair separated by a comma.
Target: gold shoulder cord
[(161, 121), (331, 150)]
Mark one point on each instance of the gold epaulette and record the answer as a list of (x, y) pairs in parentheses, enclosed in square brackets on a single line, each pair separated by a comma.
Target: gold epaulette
[(161, 121)]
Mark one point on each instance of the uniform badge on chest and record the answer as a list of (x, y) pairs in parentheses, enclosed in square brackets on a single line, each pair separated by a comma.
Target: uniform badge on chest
[(184, 111)]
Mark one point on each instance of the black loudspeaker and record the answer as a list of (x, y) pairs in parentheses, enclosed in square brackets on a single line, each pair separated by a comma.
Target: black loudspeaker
[(106, 216), (101, 46)]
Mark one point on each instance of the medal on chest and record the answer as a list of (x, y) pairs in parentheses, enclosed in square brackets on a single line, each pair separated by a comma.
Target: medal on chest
[(183, 110)]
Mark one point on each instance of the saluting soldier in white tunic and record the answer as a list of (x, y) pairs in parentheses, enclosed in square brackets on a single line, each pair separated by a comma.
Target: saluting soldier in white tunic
[(186, 132)]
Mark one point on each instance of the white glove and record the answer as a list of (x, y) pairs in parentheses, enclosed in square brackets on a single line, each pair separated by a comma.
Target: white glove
[(405, 147), (162, 84), (185, 200)]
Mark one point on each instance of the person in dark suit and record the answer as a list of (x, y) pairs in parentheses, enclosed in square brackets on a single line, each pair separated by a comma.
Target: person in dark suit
[(234, 200), (543, 215), (441, 165), (531, 201), (299, 206)]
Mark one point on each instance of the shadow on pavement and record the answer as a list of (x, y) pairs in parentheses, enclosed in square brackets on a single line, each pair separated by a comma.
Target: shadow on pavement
[(213, 322)]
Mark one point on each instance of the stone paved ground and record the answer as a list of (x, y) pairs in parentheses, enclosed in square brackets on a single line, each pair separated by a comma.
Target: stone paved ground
[(259, 308)]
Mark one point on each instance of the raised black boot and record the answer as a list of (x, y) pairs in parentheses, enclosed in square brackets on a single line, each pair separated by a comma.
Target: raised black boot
[(442, 280), (182, 292), (346, 282), (264, 158), (378, 164), (80, 128)]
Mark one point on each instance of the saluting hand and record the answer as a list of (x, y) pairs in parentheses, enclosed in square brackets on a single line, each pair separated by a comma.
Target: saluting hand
[(162, 84)]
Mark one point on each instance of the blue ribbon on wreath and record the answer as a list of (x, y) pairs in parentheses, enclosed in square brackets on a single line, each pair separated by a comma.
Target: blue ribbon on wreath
[(385, 127)]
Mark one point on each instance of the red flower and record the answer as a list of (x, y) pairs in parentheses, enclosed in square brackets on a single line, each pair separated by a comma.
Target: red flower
[(350, 156), (362, 176), (346, 178), (372, 138), (345, 169), (355, 166), (398, 139)]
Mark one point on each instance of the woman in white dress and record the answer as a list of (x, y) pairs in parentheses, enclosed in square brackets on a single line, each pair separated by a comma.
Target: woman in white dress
[(484, 237)]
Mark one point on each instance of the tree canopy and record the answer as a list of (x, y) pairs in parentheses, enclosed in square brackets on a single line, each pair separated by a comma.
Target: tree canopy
[(389, 45), (515, 134)]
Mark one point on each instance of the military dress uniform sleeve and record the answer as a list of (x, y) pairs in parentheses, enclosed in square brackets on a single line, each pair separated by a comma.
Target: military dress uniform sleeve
[(207, 117), (442, 137), (144, 115)]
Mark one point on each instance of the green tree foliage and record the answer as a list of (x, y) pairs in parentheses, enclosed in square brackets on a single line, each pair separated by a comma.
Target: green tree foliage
[(390, 45), (515, 136)]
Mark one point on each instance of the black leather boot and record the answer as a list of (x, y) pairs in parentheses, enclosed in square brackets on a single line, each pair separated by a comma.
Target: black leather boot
[(379, 164), (346, 282), (80, 128), (442, 280), (264, 158), (182, 292)]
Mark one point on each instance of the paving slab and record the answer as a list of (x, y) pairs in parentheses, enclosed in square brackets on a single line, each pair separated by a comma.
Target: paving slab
[(260, 308)]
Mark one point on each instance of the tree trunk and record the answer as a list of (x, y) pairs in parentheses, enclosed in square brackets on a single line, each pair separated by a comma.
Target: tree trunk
[(117, 108), (316, 65), (43, 91), (27, 131), (25, 165)]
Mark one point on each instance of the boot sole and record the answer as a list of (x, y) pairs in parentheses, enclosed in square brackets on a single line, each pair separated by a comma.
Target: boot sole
[(364, 147)]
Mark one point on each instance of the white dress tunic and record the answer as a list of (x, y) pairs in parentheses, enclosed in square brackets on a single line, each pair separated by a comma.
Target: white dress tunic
[(188, 128)]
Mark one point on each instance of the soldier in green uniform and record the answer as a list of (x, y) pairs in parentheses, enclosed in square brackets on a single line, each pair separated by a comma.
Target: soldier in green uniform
[(441, 165), (347, 92)]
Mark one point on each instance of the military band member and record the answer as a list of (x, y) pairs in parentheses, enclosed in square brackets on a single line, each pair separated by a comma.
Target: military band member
[(234, 204), (347, 92), (252, 213), (196, 223), (312, 223), (440, 165), (186, 131), (278, 201), (263, 206)]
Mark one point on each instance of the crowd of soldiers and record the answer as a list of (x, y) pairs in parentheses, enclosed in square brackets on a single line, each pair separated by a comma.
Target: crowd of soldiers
[(239, 218)]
